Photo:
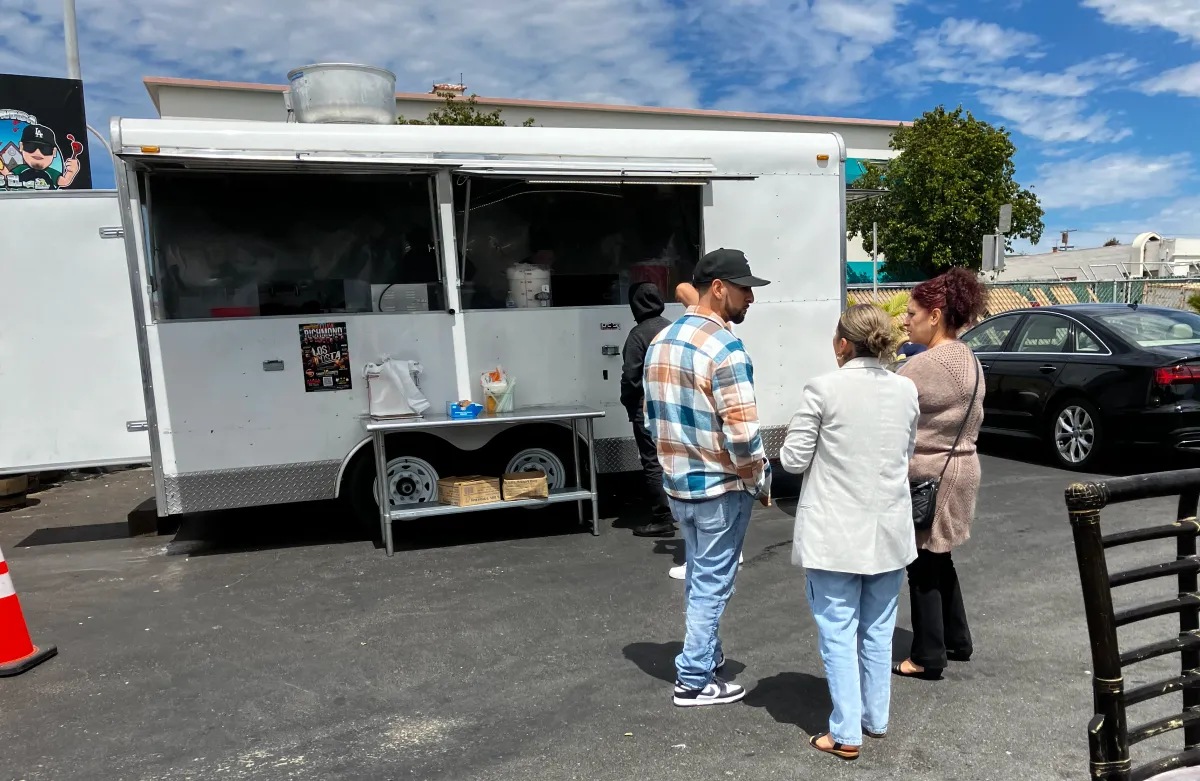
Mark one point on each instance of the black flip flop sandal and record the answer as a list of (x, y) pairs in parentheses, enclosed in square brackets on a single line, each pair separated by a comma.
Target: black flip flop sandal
[(848, 753), (928, 674)]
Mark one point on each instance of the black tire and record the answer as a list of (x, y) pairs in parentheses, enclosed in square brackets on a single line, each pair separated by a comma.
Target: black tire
[(359, 480), (1078, 442), (500, 452)]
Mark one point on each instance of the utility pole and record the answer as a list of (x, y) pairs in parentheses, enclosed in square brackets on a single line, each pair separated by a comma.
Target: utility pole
[(875, 262), (72, 38)]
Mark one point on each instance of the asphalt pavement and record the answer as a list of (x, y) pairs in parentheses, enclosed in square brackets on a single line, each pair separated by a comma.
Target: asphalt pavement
[(276, 644)]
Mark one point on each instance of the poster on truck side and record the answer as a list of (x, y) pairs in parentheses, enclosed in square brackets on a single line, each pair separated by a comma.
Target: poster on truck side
[(325, 352), (43, 134)]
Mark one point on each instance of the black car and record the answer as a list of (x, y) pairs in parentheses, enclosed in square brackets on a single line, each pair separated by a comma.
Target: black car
[(1092, 379)]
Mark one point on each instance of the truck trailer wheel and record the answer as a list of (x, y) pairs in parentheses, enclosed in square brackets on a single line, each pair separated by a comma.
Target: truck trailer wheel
[(415, 464), (544, 448)]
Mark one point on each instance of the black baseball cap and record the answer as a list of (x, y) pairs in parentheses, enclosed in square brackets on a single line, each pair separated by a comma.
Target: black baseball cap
[(38, 134), (727, 265)]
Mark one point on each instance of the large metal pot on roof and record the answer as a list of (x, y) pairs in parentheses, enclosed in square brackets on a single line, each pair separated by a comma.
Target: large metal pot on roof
[(342, 93)]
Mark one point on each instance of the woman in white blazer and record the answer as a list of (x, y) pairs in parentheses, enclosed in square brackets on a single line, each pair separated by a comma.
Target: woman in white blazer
[(852, 439)]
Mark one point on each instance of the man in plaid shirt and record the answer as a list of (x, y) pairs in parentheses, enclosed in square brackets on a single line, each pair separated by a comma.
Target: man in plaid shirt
[(700, 410)]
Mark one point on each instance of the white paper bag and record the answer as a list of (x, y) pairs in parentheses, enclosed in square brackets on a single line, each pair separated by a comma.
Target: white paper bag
[(392, 390)]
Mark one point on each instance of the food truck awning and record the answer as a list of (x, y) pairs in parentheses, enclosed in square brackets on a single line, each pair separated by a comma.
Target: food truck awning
[(548, 168)]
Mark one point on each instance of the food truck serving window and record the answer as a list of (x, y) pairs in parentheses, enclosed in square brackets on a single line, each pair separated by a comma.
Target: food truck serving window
[(586, 242), (246, 244)]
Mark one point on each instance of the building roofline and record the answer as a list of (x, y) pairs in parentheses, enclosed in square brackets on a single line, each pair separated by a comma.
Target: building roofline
[(154, 83)]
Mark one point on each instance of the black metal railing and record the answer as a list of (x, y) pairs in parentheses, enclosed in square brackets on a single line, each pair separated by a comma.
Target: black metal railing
[(1109, 735)]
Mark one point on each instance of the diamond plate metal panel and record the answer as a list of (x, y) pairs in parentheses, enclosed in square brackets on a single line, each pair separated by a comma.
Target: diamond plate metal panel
[(773, 437), (617, 455), (621, 455), (225, 489)]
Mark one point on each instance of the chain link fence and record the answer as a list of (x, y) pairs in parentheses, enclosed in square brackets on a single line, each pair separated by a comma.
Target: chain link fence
[(1006, 296)]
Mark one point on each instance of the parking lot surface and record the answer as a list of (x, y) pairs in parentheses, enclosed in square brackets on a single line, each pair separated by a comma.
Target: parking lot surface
[(275, 644)]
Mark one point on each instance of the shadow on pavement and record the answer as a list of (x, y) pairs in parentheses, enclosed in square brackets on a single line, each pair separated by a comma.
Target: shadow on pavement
[(264, 528), (1127, 461), (327, 523), (622, 505), (658, 660), (57, 535), (673, 548), (901, 644), (799, 699)]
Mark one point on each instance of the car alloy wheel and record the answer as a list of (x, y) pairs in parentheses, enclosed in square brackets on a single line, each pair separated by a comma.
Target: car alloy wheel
[(1074, 434)]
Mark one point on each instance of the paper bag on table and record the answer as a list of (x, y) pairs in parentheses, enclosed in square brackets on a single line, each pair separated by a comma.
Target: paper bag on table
[(392, 390)]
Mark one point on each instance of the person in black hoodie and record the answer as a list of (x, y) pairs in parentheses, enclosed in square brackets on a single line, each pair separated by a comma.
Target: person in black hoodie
[(647, 306)]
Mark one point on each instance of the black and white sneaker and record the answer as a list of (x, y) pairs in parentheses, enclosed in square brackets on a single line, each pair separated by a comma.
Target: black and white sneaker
[(717, 692)]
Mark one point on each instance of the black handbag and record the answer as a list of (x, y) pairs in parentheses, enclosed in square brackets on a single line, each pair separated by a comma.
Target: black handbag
[(924, 493)]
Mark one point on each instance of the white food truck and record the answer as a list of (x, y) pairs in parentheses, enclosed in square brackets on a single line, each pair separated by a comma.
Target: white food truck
[(251, 246), (71, 393)]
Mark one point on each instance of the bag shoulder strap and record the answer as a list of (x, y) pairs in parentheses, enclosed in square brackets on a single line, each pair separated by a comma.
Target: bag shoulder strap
[(963, 425)]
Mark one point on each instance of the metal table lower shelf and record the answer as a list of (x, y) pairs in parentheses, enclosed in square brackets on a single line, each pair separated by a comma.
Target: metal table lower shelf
[(573, 416)]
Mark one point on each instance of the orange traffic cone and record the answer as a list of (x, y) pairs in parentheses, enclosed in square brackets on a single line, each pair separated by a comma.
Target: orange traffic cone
[(17, 651)]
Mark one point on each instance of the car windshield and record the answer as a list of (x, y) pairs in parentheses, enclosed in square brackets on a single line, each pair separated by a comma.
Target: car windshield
[(1154, 328)]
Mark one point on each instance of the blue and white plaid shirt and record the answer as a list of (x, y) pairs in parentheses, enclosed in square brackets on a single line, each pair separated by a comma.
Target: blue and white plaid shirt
[(700, 410)]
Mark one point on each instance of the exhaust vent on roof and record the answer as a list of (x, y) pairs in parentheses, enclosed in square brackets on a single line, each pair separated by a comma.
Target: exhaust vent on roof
[(341, 93)]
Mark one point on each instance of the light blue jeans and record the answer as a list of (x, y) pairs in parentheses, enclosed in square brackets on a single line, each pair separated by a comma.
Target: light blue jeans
[(855, 616), (713, 532)]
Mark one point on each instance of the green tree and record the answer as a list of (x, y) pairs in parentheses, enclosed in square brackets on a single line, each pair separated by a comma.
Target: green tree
[(944, 193), (1113, 242), (457, 110)]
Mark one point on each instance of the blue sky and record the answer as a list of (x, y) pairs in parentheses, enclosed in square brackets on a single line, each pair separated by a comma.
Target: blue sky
[(1102, 96)]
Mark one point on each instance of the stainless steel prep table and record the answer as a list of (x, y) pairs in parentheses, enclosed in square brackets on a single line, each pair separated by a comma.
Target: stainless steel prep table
[(380, 428)]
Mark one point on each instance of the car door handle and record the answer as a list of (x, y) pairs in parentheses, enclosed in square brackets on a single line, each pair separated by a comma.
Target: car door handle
[(1047, 369), (985, 366)]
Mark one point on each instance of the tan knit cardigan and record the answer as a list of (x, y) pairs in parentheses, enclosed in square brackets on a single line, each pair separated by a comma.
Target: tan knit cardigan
[(945, 377)]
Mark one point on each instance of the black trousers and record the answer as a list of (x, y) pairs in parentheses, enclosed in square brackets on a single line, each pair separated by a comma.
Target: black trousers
[(939, 619), (652, 472)]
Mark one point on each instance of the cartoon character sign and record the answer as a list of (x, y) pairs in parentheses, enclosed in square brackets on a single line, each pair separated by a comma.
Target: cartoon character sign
[(30, 157)]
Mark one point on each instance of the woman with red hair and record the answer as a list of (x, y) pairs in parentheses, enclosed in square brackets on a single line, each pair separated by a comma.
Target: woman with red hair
[(950, 392)]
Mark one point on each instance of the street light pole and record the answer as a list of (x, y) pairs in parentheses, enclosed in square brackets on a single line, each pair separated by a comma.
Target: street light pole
[(72, 37), (875, 262)]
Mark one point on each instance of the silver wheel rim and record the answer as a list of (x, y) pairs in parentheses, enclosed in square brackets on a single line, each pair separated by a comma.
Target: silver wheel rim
[(410, 480), (1074, 434), (539, 460)]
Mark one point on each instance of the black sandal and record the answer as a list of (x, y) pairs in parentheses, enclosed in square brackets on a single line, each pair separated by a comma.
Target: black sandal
[(848, 753), (928, 674)]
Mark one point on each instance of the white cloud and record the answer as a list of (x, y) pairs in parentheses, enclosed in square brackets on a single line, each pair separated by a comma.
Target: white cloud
[(1051, 120), (786, 54), (1048, 106), (1181, 81), (599, 50), (1086, 183), (1178, 16), (653, 52), (1178, 218), (766, 55), (989, 42)]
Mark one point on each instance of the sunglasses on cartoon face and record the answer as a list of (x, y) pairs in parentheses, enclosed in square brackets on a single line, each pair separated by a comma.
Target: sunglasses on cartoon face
[(38, 147)]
